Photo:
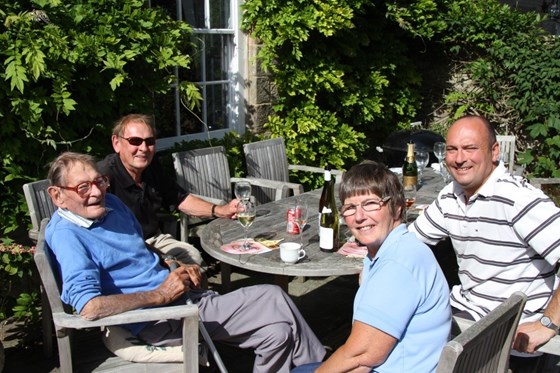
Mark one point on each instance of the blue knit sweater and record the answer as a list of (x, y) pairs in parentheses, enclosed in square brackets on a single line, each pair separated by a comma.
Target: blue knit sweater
[(110, 257)]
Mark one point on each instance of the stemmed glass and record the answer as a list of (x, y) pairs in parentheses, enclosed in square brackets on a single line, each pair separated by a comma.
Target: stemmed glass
[(422, 157), (246, 212), (301, 218), (243, 191), (445, 173), (409, 198), (439, 150)]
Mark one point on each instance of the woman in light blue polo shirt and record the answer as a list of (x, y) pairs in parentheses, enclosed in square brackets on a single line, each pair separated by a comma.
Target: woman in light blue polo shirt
[(402, 317)]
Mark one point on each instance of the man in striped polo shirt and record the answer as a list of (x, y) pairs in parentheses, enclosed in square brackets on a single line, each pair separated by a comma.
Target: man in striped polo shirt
[(505, 234)]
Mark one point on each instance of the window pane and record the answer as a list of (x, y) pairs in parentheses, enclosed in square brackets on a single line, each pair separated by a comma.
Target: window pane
[(193, 11), (212, 52), (216, 103), (220, 14), (164, 114), (191, 123), (217, 58)]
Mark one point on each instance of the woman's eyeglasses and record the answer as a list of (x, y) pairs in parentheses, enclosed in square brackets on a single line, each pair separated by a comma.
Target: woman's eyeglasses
[(137, 141), (368, 205), (83, 189)]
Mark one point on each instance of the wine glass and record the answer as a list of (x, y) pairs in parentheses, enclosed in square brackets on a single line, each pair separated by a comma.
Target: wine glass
[(439, 150), (445, 173), (301, 211), (422, 157), (246, 212), (409, 198), (242, 191)]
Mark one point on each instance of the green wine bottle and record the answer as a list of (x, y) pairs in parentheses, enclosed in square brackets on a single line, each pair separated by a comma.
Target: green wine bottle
[(410, 170), (328, 216)]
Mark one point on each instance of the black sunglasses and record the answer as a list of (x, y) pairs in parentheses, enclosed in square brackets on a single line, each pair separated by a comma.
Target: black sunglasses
[(137, 141)]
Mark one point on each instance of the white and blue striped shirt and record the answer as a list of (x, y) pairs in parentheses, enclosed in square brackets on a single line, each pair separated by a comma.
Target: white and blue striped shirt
[(507, 239)]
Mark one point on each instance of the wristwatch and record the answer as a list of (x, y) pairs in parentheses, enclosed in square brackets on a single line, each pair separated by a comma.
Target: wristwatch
[(168, 257), (546, 322)]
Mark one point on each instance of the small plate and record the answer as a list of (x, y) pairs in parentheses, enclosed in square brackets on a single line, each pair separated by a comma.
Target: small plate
[(396, 170)]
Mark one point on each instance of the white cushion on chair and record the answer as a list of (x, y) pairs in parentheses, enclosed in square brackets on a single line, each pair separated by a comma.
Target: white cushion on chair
[(123, 344)]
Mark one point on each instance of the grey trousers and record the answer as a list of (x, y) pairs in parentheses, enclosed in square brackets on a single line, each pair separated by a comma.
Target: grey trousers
[(262, 318)]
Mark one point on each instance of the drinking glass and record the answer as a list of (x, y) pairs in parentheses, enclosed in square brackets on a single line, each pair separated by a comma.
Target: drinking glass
[(409, 198), (439, 151), (242, 191), (246, 212), (445, 173), (301, 212), (422, 157)]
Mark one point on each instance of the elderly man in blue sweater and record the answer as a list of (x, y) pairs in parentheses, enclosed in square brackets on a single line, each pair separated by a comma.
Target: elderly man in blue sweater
[(106, 269)]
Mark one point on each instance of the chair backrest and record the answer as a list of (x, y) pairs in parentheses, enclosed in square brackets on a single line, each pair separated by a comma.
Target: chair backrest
[(267, 159), (486, 345), (204, 172), (507, 150), (45, 264), (39, 204)]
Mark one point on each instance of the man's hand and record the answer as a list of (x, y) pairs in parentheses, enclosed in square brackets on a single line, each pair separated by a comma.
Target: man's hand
[(177, 283), (530, 336), (195, 274), (229, 210)]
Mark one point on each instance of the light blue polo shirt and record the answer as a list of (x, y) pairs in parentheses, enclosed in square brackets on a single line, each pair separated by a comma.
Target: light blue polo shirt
[(404, 294)]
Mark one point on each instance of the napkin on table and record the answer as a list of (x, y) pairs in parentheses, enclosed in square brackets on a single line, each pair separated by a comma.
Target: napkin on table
[(235, 247), (353, 250)]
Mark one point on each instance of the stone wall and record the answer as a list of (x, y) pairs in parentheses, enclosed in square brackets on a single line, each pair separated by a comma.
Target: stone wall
[(260, 90)]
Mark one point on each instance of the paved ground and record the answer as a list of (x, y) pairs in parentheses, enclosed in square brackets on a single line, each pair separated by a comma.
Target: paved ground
[(326, 303)]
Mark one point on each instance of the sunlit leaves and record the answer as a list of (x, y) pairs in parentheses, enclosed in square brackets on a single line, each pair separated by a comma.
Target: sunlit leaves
[(67, 71), (15, 73)]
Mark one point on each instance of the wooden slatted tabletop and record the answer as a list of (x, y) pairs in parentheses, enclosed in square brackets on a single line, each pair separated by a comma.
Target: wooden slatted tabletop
[(270, 223)]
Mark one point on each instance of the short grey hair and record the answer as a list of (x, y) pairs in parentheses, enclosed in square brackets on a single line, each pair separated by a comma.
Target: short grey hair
[(60, 165)]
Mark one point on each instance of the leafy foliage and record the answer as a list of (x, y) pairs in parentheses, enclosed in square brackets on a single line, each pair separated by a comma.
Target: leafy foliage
[(68, 70), (511, 74), (344, 72), (352, 70), (16, 275), (19, 287)]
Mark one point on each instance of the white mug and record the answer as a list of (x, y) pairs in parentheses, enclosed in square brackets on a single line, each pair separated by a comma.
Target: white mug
[(291, 252)]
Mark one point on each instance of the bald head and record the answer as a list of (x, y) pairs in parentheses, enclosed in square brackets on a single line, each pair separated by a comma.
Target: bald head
[(472, 152)]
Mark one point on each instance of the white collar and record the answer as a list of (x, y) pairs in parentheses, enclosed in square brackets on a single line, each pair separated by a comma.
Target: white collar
[(80, 220)]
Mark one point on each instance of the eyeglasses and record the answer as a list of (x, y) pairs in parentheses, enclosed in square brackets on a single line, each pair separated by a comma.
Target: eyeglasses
[(368, 205), (83, 189), (137, 141)]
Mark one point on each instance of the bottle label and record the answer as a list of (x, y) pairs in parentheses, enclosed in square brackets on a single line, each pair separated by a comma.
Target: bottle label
[(326, 238), (409, 180)]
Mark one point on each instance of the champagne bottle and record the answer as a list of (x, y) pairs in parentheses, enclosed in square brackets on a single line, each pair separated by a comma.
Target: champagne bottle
[(328, 216), (410, 170)]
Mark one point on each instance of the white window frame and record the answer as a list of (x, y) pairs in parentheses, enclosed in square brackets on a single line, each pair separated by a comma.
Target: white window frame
[(235, 110)]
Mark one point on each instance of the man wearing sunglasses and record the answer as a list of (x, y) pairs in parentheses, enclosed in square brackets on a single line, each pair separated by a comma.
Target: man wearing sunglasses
[(138, 179)]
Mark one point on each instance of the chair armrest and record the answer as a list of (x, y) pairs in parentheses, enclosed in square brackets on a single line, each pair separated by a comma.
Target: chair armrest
[(551, 347), (280, 186), (147, 314)]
